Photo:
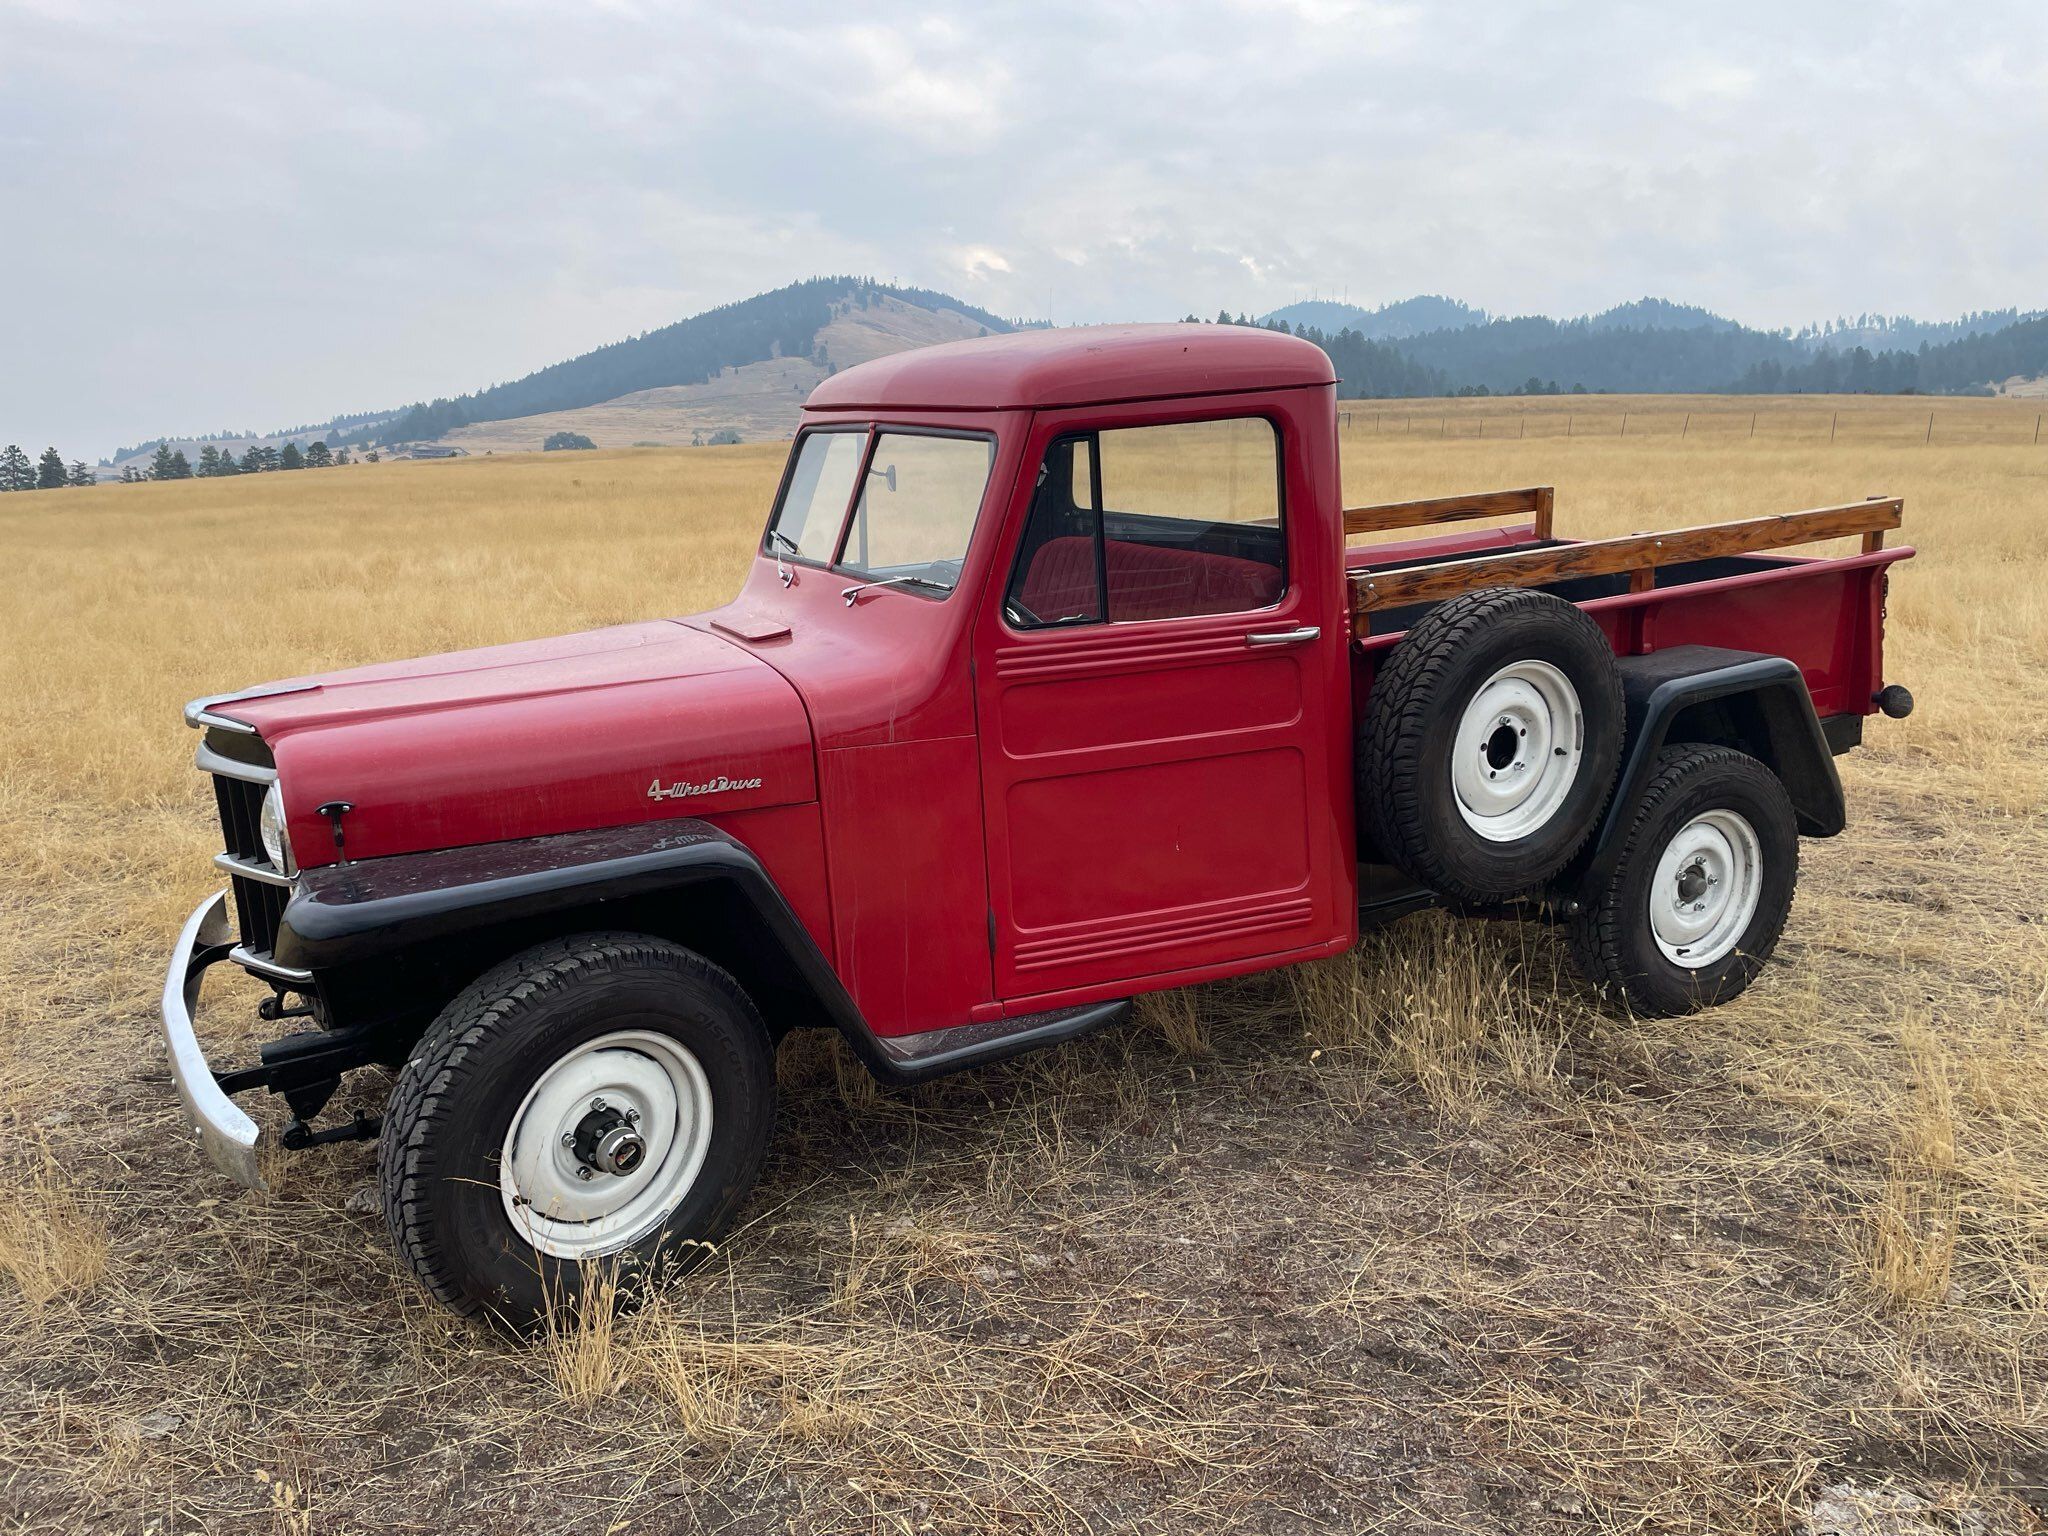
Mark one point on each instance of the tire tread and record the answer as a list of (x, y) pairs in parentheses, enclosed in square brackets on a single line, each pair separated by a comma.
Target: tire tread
[(1391, 727), (443, 1064)]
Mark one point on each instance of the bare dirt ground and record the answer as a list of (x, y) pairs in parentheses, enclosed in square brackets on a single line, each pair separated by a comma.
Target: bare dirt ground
[(1416, 1241)]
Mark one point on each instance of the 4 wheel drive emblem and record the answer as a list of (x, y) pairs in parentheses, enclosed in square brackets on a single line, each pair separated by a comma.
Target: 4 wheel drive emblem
[(682, 789)]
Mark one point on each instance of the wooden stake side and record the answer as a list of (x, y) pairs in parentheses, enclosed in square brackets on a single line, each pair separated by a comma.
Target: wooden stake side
[(1638, 553), (1537, 499)]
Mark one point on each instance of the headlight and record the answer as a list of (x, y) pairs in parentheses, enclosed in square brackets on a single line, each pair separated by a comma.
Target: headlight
[(277, 846)]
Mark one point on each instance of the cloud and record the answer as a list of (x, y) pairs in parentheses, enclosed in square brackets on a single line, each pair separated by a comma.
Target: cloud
[(222, 215)]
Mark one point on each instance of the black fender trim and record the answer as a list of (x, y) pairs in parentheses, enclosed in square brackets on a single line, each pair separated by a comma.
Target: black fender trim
[(344, 915), (1754, 702)]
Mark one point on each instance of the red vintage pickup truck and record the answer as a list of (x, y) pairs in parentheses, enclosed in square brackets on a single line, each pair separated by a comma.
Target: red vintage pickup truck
[(1053, 682)]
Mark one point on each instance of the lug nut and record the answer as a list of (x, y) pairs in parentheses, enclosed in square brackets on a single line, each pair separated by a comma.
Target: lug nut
[(583, 1174), (568, 1139), (597, 1105)]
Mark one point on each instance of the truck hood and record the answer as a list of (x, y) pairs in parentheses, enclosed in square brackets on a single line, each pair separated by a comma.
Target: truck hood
[(642, 722)]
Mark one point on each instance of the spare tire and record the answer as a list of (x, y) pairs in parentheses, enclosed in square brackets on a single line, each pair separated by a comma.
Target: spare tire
[(1490, 743)]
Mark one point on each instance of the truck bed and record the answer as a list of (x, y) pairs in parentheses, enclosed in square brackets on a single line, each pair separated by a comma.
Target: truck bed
[(1718, 585)]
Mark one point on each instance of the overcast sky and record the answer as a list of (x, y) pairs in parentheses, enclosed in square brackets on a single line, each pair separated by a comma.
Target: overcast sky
[(218, 215)]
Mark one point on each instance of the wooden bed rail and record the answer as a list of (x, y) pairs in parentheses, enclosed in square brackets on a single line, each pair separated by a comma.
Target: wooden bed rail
[(1638, 554), (1537, 501)]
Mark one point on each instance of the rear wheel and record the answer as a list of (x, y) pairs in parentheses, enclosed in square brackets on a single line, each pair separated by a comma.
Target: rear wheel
[(606, 1097), (1698, 898)]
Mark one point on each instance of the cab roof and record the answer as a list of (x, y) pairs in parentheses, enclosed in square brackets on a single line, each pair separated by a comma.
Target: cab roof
[(1078, 365)]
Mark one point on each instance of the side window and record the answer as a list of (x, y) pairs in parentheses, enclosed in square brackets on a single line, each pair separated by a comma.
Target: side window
[(1154, 523)]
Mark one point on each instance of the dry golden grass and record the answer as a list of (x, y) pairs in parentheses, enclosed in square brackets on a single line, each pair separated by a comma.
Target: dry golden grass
[(1415, 1240)]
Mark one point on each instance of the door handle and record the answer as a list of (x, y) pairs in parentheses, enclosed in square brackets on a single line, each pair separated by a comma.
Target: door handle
[(1301, 636)]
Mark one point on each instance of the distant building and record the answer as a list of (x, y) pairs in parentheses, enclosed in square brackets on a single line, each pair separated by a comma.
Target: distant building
[(434, 451)]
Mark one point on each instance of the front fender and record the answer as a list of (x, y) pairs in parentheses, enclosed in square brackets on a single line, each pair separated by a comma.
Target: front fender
[(684, 880), (344, 914)]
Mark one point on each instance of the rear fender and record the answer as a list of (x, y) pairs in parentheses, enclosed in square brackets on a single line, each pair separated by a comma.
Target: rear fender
[(1756, 703)]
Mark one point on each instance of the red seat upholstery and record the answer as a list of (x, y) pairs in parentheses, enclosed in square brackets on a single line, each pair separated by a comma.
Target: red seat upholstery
[(1145, 581)]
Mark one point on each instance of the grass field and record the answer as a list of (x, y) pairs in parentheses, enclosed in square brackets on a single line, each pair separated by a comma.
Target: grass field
[(1413, 1241)]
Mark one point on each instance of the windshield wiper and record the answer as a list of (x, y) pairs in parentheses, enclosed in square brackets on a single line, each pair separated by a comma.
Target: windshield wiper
[(779, 541), (926, 582)]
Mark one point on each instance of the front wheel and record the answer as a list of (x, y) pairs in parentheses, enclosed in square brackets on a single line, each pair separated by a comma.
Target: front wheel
[(1698, 898), (603, 1098)]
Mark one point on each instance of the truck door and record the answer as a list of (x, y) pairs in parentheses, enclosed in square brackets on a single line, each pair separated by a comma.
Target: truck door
[(1162, 688)]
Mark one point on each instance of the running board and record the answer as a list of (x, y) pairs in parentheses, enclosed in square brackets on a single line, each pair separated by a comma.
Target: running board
[(917, 1058)]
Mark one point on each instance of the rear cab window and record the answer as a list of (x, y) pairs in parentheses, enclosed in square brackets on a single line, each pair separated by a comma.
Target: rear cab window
[(1170, 521), (883, 504)]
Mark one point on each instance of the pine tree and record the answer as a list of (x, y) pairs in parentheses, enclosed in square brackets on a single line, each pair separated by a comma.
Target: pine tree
[(80, 475), (50, 475), (291, 458), (227, 464), (209, 462), (160, 463), (16, 472), (181, 467), (319, 455)]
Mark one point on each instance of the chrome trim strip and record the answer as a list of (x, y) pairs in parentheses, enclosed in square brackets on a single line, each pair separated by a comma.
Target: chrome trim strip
[(210, 761), (199, 713), (249, 869), (258, 963), (206, 719), (226, 1135), (1301, 636)]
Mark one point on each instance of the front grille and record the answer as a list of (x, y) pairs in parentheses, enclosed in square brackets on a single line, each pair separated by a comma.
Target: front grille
[(241, 811), (259, 905), (259, 909)]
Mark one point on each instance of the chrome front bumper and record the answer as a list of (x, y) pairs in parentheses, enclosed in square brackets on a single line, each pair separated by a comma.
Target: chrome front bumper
[(226, 1135)]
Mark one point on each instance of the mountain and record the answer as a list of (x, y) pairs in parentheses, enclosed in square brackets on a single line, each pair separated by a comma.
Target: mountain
[(1659, 315), (781, 326), (742, 371), (1654, 346), (1902, 333), (1390, 322), (748, 401)]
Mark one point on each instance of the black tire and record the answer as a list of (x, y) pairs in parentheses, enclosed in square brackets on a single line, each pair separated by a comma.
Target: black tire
[(1408, 740), (1611, 935), (450, 1113)]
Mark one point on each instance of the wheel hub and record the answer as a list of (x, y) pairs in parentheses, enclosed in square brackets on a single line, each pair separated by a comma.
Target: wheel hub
[(608, 1142), (1708, 883), (1517, 751)]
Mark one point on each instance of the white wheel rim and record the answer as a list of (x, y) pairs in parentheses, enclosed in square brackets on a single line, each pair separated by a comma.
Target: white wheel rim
[(1708, 883), (1517, 751), (571, 1207)]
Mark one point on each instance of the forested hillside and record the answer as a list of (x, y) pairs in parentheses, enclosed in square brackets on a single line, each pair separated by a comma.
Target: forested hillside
[(783, 323), (1654, 346)]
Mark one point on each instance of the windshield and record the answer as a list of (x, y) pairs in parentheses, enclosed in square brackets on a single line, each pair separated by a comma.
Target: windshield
[(911, 519), (807, 523), (916, 509)]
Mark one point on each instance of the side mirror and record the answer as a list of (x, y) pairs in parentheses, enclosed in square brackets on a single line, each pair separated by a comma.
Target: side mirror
[(888, 474)]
